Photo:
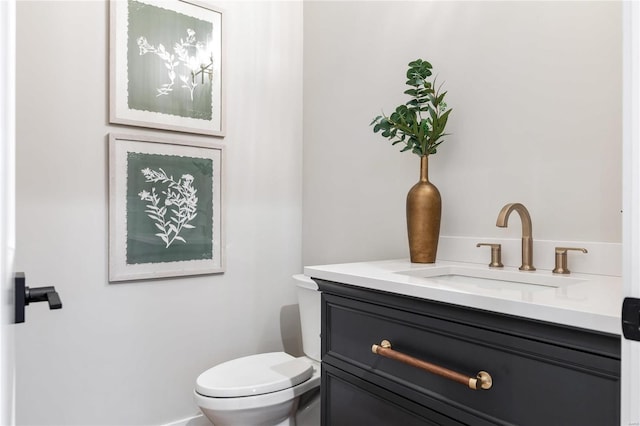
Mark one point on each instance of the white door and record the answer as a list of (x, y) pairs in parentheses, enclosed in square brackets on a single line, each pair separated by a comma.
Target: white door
[(7, 197), (630, 383)]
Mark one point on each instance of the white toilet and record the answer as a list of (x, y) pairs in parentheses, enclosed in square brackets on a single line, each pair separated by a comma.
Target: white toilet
[(270, 389)]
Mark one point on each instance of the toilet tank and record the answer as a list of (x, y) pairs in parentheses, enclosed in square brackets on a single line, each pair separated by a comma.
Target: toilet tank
[(309, 305)]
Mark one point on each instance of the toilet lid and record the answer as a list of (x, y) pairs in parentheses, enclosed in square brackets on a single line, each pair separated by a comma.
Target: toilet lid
[(254, 375)]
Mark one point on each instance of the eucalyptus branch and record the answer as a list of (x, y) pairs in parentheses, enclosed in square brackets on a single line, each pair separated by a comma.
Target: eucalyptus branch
[(420, 135)]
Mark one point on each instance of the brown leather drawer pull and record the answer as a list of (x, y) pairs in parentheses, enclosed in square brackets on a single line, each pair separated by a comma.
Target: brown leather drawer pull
[(481, 381)]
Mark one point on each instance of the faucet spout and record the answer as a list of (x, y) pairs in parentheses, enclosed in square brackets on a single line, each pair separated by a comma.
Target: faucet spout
[(527, 232)]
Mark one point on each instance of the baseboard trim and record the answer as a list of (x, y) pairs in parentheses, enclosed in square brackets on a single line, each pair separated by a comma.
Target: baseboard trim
[(198, 420)]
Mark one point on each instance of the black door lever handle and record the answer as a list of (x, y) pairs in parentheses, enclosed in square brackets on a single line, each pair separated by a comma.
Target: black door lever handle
[(40, 294), (25, 295)]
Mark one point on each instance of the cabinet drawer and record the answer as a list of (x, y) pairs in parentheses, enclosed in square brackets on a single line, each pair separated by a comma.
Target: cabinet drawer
[(349, 401), (534, 382)]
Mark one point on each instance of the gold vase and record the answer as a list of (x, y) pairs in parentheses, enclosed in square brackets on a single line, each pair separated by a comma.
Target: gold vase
[(424, 208)]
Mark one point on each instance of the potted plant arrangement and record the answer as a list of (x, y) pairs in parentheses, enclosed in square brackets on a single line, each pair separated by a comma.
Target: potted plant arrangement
[(418, 126)]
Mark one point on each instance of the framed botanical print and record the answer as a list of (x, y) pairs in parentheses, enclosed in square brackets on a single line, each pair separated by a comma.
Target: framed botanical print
[(166, 65), (165, 208)]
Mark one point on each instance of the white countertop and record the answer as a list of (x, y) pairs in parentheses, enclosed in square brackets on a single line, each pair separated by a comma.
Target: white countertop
[(581, 300)]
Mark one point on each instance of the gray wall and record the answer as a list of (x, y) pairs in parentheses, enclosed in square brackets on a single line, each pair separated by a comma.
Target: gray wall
[(129, 353), (536, 94)]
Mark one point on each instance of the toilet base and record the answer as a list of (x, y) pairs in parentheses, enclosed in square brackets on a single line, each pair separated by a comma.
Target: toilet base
[(295, 410), (279, 415), (308, 413)]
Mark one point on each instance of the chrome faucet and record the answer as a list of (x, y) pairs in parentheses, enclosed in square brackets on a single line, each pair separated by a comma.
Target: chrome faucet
[(527, 237)]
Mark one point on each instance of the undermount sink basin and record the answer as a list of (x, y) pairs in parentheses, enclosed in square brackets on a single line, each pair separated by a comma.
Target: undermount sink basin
[(461, 275)]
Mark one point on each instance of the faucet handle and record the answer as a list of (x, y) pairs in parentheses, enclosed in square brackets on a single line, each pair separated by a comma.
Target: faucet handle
[(561, 259), (496, 254)]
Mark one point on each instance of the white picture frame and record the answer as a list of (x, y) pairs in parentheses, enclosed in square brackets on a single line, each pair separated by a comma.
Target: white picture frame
[(166, 65), (165, 208)]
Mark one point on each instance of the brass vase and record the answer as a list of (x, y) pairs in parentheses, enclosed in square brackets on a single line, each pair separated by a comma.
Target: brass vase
[(424, 208)]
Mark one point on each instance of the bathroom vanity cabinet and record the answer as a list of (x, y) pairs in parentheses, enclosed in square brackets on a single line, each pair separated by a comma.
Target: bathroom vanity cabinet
[(542, 373)]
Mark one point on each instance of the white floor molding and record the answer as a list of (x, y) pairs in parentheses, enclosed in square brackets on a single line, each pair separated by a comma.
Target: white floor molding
[(198, 420)]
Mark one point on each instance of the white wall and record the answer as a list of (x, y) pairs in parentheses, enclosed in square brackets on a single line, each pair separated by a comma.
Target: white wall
[(129, 353), (536, 94)]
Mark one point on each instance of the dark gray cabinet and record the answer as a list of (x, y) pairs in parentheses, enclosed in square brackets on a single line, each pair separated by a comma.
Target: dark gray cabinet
[(543, 373)]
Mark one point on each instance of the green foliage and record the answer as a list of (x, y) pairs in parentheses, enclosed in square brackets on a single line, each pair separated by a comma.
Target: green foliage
[(419, 124)]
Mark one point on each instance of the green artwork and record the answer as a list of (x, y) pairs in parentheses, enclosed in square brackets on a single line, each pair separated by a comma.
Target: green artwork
[(169, 208), (169, 62)]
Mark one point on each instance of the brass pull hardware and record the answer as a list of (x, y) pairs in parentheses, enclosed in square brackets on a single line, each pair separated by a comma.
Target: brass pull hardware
[(481, 381), (561, 259), (496, 254)]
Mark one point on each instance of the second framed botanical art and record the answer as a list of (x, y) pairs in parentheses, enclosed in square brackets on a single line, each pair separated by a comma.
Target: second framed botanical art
[(166, 65), (165, 208)]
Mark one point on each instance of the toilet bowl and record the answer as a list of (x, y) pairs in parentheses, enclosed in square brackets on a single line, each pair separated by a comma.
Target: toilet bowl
[(269, 389)]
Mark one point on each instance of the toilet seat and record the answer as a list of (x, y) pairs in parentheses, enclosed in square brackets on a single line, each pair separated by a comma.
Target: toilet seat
[(254, 375)]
